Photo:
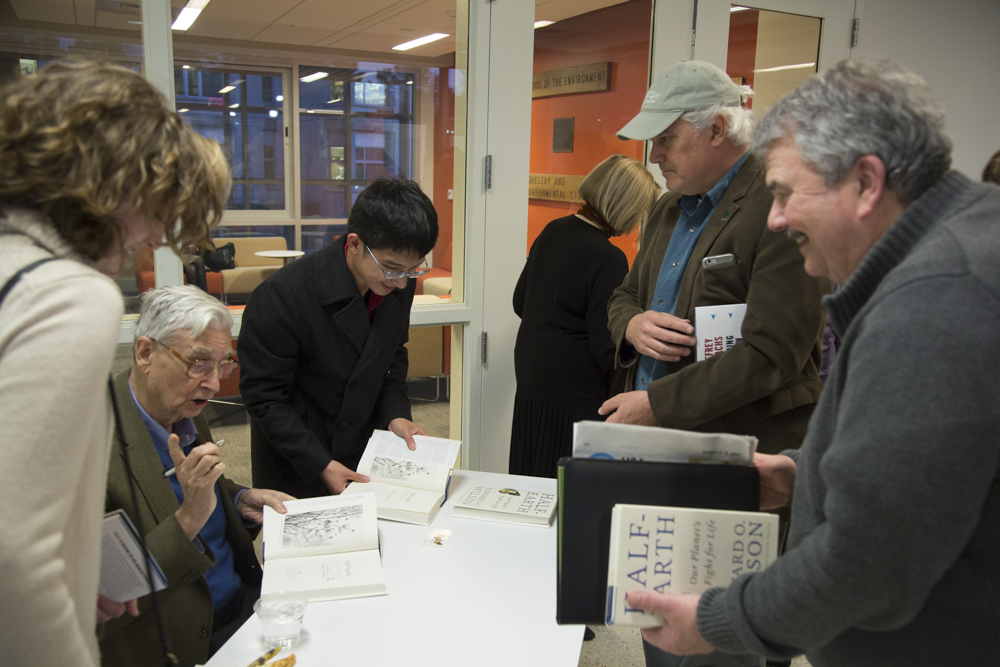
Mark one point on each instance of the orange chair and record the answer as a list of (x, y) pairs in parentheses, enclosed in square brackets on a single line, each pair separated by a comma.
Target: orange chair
[(443, 270)]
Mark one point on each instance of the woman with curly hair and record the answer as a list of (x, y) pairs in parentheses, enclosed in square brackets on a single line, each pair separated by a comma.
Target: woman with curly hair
[(92, 166), (564, 355)]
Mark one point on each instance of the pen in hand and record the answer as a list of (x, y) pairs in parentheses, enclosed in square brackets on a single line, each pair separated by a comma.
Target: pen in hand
[(171, 471)]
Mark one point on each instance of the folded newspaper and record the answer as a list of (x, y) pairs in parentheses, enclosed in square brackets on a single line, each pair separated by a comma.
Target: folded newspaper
[(629, 442)]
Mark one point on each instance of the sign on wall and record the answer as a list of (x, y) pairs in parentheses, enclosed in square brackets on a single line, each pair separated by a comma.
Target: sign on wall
[(569, 80), (554, 187)]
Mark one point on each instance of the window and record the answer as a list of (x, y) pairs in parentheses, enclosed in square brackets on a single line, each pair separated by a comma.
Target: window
[(349, 140), (244, 111)]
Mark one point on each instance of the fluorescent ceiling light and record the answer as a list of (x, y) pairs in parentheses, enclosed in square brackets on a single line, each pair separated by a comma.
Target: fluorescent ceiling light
[(784, 67), (232, 113), (339, 99), (419, 42), (737, 8), (185, 67), (234, 106), (542, 24), (225, 90), (273, 113), (182, 111), (314, 77), (188, 15), (279, 98)]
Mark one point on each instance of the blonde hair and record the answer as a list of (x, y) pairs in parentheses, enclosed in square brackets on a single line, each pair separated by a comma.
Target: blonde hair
[(622, 191), (81, 138)]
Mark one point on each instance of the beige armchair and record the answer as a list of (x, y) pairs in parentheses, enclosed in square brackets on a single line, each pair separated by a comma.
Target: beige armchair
[(250, 270)]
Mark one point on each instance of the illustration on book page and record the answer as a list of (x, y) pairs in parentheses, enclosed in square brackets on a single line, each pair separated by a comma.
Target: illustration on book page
[(320, 527), (397, 469)]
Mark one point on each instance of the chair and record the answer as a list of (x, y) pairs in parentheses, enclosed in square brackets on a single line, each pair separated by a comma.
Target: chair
[(250, 270)]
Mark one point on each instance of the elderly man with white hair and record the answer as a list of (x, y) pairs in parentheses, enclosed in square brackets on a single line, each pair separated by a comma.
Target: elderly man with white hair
[(198, 524), (894, 552), (706, 244)]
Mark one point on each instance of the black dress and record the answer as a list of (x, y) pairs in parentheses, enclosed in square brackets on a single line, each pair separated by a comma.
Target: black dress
[(564, 356)]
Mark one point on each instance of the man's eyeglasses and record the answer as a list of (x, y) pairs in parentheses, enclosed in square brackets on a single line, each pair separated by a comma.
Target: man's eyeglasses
[(199, 368), (396, 275)]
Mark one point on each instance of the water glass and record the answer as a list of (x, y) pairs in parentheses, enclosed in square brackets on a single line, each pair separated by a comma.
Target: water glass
[(280, 617)]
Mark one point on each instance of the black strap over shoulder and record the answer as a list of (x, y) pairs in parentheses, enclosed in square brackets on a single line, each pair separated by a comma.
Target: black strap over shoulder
[(9, 285)]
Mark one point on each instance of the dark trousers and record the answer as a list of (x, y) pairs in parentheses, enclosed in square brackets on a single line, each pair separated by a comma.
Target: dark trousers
[(231, 618)]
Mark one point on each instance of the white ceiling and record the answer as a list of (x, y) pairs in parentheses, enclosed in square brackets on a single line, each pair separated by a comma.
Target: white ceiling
[(355, 25)]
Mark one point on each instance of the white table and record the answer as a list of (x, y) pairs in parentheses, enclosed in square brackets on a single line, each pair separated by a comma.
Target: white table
[(280, 254), (487, 597)]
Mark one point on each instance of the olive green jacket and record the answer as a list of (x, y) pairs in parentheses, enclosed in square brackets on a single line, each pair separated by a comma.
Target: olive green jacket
[(187, 601), (767, 384)]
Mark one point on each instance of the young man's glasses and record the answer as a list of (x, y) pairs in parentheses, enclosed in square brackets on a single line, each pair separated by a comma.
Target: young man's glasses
[(199, 368), (396, 275)]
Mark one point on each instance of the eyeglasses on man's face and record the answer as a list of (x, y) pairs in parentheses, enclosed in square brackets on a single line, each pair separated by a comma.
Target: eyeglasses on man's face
[(200, 368), (396, 275)]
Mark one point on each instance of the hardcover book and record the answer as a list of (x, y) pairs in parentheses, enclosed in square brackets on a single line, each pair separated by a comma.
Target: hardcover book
[(324, 548), (588, 491), (681, 550), (409, 486), (507, 505)]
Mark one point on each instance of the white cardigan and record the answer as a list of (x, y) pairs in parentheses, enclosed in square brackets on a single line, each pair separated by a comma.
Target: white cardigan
[(58, 329)]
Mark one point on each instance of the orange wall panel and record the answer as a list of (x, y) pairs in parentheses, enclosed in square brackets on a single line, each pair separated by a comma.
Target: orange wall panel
[(619, 34)]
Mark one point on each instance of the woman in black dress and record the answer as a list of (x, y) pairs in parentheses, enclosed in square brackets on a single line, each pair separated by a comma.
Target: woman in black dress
[(564, 357)]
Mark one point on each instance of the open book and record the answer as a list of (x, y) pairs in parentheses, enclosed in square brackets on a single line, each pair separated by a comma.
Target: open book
[(681, 550), (409, 486), (324, 548)]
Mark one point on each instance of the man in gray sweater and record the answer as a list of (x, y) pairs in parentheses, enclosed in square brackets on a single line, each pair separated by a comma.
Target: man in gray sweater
[(894, 552)]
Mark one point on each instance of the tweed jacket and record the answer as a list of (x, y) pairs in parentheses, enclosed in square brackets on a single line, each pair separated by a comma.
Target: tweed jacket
[(187, 601), (767, 383), (317, 376)]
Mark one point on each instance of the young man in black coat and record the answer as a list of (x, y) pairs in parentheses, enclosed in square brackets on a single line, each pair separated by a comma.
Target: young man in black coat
[(321, 345)]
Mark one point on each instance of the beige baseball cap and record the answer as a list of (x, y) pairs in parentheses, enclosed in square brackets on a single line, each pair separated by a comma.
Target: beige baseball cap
[(692, 85)]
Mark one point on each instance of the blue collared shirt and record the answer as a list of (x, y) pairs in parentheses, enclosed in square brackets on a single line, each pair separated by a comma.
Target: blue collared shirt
[(223, 581), (695, 215)]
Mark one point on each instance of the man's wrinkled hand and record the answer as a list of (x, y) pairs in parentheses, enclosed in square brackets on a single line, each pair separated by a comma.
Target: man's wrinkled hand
[(197, 472), (252, 501), (631, 407), (661, 336)]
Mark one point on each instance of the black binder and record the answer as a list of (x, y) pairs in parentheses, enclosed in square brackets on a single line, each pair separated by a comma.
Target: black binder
[(590, 488)]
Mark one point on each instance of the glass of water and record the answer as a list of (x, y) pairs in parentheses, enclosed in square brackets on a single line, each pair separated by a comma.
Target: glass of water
[(280, 617)]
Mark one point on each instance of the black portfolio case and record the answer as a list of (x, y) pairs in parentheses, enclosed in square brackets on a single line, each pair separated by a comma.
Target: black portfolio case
[(590, 488)]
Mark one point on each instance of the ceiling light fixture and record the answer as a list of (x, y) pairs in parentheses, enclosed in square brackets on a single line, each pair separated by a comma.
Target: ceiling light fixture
[(185, 67), (234, 106), (279, 98), (314, 77), (738, 8), (188, 15), (406, 46), (784, 67), (182, 111), (225, 90), (542, 24)]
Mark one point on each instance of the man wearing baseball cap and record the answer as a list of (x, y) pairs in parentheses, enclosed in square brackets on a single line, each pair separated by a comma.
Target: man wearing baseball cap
[(706, 243)]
